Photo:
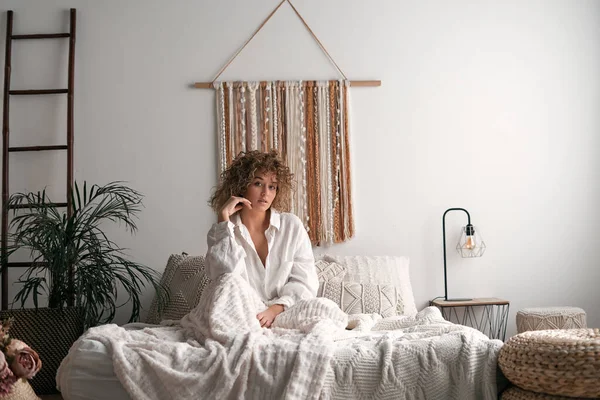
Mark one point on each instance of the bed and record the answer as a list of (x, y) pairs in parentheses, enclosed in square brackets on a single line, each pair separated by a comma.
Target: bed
[(372, 344)]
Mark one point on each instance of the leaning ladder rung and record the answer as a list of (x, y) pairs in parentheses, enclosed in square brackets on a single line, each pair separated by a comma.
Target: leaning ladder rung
[(17, 206), (25, 264), (41, 36), (39, 91), (38, 148)]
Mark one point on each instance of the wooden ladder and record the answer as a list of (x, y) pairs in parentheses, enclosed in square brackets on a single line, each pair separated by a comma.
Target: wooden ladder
[(6, 149)]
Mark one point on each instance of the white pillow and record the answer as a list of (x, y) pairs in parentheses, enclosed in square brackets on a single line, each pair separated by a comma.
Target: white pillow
[(362, 298), (380, 270), (328, 271)]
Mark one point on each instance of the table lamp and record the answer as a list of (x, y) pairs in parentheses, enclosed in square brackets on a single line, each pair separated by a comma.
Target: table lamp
[(470, 245)]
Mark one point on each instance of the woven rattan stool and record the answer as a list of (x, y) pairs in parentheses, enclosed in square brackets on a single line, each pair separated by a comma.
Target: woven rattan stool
[(515, 393), (537, 319), (21, 391), (561, 362)]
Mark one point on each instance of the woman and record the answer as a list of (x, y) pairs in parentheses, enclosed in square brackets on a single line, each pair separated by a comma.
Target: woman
[(256, 239)]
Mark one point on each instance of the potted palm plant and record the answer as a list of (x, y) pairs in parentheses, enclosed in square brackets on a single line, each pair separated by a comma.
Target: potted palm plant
[(74, 265)]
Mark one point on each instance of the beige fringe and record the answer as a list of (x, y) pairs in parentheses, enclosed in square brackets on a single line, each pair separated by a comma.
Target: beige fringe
[(333, 86), (312, 177), (264, 130), (228, 149), (347, 171)]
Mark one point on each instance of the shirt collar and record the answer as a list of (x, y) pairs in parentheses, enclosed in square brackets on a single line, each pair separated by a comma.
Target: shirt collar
[(275, 220)]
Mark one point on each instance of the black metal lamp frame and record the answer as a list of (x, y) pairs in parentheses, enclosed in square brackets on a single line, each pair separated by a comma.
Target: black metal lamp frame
[(469, 230)]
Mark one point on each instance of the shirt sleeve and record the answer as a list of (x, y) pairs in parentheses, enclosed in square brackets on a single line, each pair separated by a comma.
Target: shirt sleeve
[(302, 282), (224, 254)]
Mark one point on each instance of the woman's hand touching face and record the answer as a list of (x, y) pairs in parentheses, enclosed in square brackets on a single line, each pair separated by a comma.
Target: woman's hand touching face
[(233, 205)]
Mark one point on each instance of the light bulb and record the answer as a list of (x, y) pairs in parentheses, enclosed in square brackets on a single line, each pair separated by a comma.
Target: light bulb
[(470, 243), (470, 237)]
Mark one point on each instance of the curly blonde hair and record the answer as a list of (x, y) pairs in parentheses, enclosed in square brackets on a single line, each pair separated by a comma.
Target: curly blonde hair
[(239, 175)]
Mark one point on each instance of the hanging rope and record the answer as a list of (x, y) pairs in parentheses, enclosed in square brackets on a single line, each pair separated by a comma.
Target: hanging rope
[(263, 24)]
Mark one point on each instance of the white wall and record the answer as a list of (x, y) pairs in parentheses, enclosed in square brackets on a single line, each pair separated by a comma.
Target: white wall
[(488, 105)]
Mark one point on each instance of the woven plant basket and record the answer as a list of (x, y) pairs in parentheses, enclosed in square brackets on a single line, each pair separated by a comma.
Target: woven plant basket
[(22, 390), (50, 332), (557, 362), (515, 393)]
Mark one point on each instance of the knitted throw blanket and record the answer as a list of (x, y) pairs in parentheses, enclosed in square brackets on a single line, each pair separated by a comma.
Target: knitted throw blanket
[(220, 351)]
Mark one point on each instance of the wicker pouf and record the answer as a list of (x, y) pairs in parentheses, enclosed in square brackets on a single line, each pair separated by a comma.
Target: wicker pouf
[(562, 362), (515, 393), (21, 391), (538, 319)]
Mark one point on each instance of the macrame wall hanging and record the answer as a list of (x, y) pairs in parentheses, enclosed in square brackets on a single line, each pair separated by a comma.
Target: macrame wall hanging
[(308, 123)]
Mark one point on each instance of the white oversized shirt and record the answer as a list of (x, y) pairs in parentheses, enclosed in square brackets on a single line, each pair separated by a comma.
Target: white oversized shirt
[(289, 274)]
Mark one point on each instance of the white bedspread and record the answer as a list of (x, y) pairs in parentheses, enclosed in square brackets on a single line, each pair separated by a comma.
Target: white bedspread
[(220, 351)]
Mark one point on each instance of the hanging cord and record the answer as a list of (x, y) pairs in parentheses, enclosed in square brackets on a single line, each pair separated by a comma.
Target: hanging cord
[(263, 24), (247, 41), (317, 39)]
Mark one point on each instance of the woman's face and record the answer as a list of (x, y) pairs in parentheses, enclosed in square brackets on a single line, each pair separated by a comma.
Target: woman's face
[(262, 190)]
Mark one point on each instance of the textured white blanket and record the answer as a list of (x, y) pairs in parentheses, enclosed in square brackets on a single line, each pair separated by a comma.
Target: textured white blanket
[(220, 351)]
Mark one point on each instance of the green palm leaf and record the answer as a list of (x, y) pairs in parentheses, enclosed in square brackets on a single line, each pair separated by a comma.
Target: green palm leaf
[(103, 278)]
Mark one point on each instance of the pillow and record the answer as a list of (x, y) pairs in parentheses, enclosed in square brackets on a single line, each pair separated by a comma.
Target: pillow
[(328, 271), (380, 270), (362, 298), (186, 278)]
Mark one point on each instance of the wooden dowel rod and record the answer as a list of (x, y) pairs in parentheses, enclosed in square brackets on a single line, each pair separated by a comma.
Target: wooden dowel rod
[(365, 83), (208, 85), (26, 264), (38, 91), (41, 36), (19, 206), (38, 148)]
